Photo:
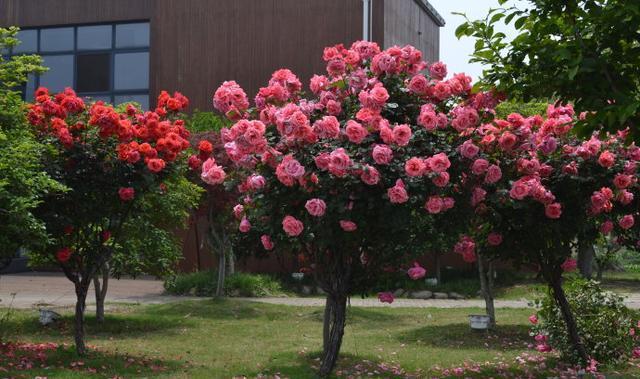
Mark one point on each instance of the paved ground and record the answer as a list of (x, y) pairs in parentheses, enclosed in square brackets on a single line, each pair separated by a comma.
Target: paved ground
[(53, 290)]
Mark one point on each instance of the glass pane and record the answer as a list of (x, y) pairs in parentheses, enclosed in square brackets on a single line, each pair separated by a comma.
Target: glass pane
[(60, 74), (92, 98), (56, 39), (132, 35), (94, 37), (131, 71), (29, 40), (30, 88), (92, 72), (143, 100)]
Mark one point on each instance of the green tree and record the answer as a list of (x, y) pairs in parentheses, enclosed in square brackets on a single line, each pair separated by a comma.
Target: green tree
[(581, 51), (22, 180)]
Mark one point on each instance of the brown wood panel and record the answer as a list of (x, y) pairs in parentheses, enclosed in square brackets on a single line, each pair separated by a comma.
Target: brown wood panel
[(28, 13), (405, 22), (196, 46)]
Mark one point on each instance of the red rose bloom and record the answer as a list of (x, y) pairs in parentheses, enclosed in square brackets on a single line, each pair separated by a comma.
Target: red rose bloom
[(63, 254), (155, 165), (126, 193)]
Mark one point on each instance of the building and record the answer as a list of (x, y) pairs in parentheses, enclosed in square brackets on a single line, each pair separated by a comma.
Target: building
[(129, 50)]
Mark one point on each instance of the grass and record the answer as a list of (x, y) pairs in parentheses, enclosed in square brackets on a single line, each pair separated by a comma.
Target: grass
[(227, 338)]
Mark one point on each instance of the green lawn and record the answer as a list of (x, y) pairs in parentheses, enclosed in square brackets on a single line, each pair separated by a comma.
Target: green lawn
[(223, 339)]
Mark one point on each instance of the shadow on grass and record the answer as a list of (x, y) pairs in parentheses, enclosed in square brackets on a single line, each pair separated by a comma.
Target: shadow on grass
[(120, 326), (64, 362), (305, 366), (503, 337)]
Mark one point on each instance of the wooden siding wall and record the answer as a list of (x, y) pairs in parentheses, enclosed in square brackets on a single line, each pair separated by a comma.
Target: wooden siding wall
[(27, 13), (405, 22), (245, 40)]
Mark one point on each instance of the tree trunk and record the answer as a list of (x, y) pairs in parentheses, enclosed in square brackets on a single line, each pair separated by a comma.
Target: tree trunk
[(222, 266), (600, 272), (486, 287), (101, 292), (585, 258), (82, 287), (335, 314), (569, 319), (231, 259), (437, 267)]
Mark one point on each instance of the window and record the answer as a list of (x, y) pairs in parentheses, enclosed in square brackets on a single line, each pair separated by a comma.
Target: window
[(107, 62)]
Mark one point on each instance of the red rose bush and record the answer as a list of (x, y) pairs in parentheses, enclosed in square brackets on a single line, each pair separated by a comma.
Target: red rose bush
[(108, 159)]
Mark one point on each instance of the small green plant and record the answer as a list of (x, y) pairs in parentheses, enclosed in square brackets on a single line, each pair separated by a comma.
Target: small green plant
[(605, 325), (202, 283), (252, 285), (205, 122)]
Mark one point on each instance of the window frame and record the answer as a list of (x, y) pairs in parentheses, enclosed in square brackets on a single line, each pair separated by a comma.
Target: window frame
[(112, 51)]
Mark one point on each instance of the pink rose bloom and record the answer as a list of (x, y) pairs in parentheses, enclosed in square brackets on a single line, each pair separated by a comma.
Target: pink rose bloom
[(467, 248), (636, 352), (438, 70), (379, 95), (569, 265), (434, 204), (386, 134), (355, 132), (441, 179), (439, 162), (428, 118), (348, 226), (469, 150), (385, 297), (607, 159), (419, 85), (625, 197), (401, 134), (339, 161), (212, 173), (533, 319), (543, 348), (245, 225), (553, 210), (322, 161), (447, 203), (256, 182), (334, 108), (519, 190), (382, 154), (238, 210), (494, 239), (230, 97), (415, 167), (507, 141), (606, 227), (626, 222), (478, 195), (292, 226), (370, 175), (318, 83), (316, 207), (494, 173), (398, 194), (266, 242), (416, 272), (622, 181), (479, 166), (327, 127)]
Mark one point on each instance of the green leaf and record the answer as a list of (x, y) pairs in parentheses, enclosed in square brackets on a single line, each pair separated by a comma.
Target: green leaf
[(520, 22)]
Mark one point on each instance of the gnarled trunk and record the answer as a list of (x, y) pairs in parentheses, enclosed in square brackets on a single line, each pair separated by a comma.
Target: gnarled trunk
[(567, 315), (335, 316), (586, 254), (82, 287), (101, 289), (486, 288)]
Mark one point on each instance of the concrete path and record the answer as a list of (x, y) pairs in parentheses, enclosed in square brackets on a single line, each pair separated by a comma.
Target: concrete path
[(54, 290)]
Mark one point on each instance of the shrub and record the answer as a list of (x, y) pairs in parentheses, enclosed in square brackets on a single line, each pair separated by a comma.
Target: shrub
[(202, 283), (252, 285), (605, 324)]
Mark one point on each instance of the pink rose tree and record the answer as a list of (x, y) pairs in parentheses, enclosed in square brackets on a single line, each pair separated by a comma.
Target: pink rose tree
[(537, 190), (353, 178), (109, 160)]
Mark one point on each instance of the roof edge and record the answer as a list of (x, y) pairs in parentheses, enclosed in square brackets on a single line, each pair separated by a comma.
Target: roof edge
[(431, 11)]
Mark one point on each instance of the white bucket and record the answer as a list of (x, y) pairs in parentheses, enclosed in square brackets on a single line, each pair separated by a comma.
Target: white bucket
[(479, 322)]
